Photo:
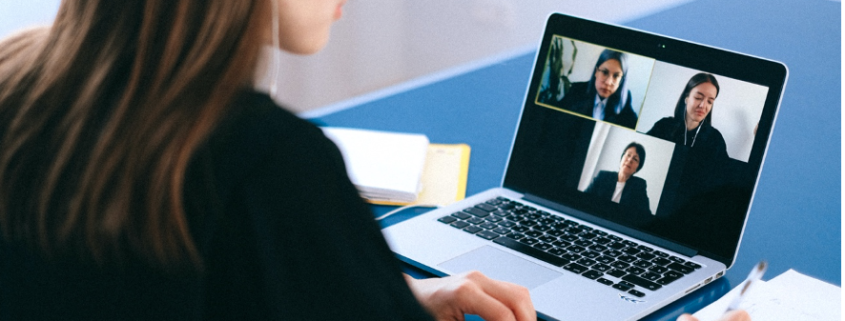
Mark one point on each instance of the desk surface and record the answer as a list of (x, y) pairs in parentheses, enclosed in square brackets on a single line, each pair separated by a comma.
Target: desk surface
[(795, 219)]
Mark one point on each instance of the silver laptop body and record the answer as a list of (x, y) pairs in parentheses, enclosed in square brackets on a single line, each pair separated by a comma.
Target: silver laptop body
[(570, 241)]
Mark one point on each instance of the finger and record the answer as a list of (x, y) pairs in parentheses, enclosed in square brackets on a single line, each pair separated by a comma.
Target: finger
[(486, 306), (686, 317), (513, 296)]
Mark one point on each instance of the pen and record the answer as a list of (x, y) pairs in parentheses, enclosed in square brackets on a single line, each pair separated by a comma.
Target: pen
[(753, 277)]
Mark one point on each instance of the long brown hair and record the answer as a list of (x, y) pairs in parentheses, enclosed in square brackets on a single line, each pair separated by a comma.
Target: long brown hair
[(101, 113)]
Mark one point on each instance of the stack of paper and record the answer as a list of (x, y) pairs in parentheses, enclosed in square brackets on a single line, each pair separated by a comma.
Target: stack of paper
[(402, 169), (790, 296), (384, 166)]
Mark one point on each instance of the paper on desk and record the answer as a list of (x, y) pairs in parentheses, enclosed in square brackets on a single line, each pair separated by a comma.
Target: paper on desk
[(444, 176), (790, 296), (382, 165)]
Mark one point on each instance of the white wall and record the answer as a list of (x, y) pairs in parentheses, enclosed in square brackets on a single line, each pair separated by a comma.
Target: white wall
[(382, 42), (379, 43), (17, 14)]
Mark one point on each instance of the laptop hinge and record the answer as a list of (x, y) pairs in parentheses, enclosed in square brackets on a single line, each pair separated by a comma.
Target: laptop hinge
[(669, 245)]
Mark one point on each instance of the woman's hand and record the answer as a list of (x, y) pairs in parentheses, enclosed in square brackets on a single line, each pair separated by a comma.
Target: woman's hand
[(449, 298), (736, 315)]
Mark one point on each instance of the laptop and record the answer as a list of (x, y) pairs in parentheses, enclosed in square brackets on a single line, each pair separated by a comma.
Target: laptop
[(630, 177)]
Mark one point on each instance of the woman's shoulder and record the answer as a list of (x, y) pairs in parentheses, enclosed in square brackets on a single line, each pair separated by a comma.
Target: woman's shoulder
[(637, 181), (603, 175), (256, 119), (665, 121), (257, 130), (662, 126), (252, 106), (715, 133)]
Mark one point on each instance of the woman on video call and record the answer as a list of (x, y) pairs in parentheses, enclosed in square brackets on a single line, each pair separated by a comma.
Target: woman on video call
[(623, 187), (692, 124), (606, 96), (142, 177)]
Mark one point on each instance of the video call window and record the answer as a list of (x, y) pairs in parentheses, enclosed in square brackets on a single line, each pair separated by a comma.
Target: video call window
[(720, 113), (594, 82), (711, 113), (640, 161)]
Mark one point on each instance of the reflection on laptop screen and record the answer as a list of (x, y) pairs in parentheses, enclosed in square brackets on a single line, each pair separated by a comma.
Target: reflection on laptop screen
[(663, 137)]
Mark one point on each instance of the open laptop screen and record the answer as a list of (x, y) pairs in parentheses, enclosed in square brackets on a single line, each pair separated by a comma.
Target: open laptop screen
[(652, 133)]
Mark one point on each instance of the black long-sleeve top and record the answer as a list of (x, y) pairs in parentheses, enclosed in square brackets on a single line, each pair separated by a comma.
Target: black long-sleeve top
[(281, 229)]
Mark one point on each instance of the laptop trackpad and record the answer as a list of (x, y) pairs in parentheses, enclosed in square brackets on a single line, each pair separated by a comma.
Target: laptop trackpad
[(500, 265)]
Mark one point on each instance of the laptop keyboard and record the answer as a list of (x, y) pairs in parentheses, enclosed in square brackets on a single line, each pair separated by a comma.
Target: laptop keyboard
[(591, 253)]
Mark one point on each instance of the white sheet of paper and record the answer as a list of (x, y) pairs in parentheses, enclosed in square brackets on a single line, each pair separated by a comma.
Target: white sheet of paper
[(790, 296), (381, 164)]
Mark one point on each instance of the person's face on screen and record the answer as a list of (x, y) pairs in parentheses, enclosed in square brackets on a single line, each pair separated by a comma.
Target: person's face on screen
[(304, 25), (608, 76), (700, 102), (630, 162)]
